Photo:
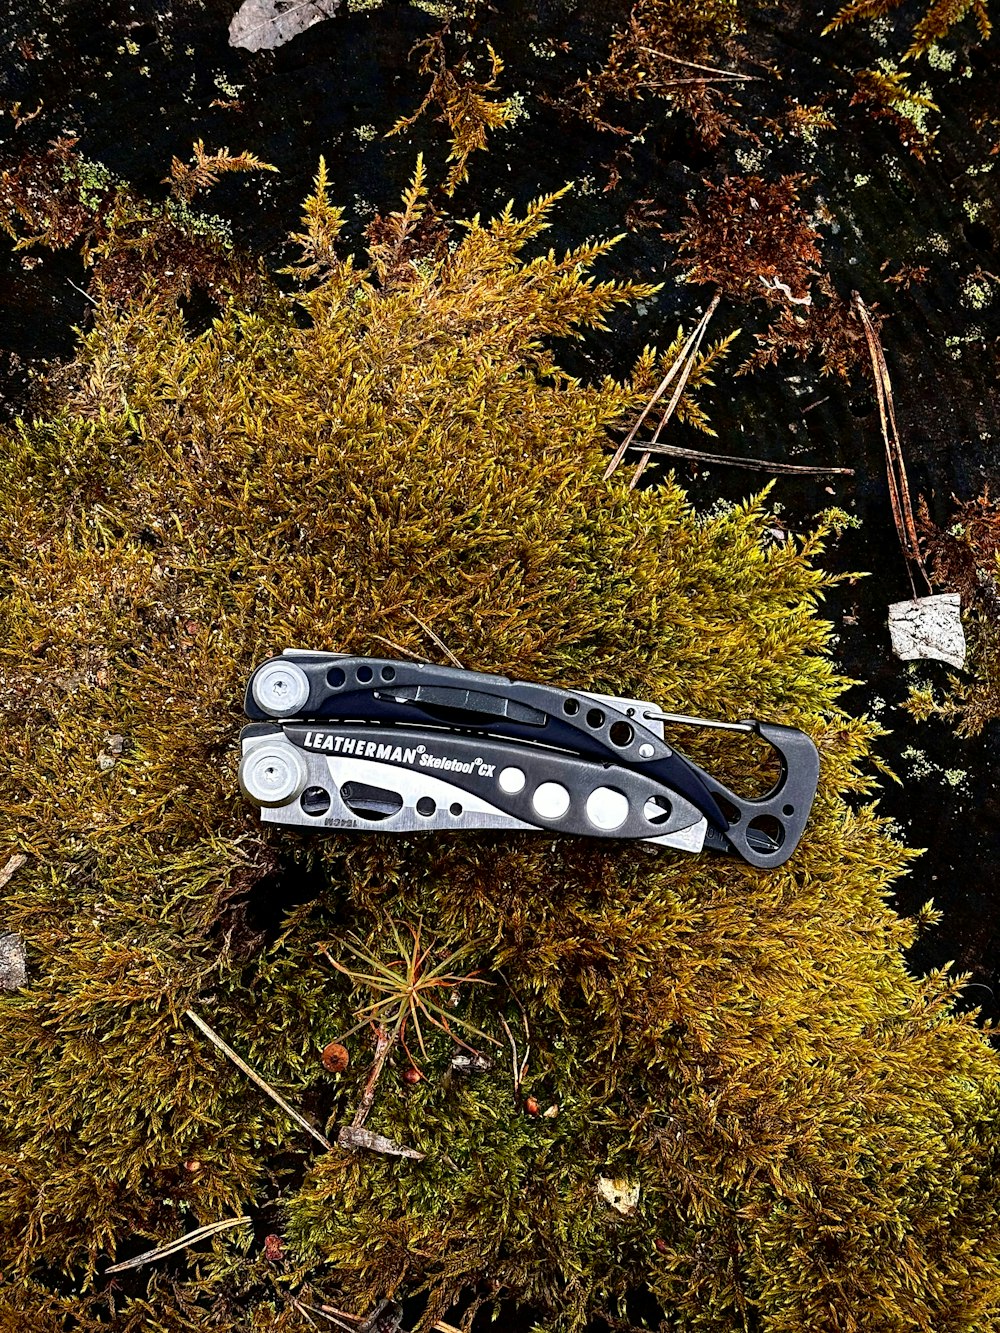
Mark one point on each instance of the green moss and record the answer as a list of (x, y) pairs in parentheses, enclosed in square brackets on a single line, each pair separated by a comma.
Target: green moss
[(812, 1130)]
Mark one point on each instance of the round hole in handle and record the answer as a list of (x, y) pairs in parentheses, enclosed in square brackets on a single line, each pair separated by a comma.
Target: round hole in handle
[(426, 806), (550, 800), (315, 801), (571, 707), (788, 809), (335, 678), (607, 808), (621, 733), (455, 809), (595, 718), (365, 674), (657, 809), (765, 833), (388, 673)]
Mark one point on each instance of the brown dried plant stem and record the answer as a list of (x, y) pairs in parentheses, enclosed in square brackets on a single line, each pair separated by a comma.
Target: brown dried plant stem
[(437, 640), (899, 486), (181, 1243), (384, 1042), (739, 460), (256, 1078), (712, 70), (680, 372)]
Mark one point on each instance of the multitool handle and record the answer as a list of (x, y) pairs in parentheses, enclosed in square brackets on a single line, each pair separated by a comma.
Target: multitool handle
[(766, 831), (335, 687), (339, 687)]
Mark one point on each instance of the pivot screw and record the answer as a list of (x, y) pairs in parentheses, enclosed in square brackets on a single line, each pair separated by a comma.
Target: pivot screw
[(280, 688), (646, 751), (273, 774)]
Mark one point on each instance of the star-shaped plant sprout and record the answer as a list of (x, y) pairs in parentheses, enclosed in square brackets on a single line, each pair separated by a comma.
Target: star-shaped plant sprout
[(404, 989)]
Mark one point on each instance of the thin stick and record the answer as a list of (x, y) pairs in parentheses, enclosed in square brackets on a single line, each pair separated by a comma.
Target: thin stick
[(397, 647), (664, 385), (323, 1314), (676, 396), (703, 81), (256, 1078), (440, 642), (303, 1310), (513, 1051), (384, 1042), (899, 486), (182, 1243), (737, 460), (81, 291), (709, 69), (440, 1326)]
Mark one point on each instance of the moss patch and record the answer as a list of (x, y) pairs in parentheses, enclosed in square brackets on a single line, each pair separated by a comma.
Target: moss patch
[(811, 1130)]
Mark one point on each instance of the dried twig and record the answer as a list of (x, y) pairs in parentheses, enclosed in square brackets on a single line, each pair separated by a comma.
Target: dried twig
[(357, 1322), (256, 1078), (709, 69), (520, 1068), (417, 657), (899, 486), (384, 1042), (738, 460), (181, 1243), (440, 642), (82, 292), (322, 1314), (13, 865), (679, 370), (303, 1310)]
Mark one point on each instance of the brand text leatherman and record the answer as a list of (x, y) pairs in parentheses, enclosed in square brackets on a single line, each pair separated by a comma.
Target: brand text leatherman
[(360, 748)]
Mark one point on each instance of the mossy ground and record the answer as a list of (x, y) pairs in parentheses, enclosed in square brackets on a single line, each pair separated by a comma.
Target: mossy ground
[(813, 1130)]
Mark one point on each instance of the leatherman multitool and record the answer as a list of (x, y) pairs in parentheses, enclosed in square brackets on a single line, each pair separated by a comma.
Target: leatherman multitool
[(343, 742)]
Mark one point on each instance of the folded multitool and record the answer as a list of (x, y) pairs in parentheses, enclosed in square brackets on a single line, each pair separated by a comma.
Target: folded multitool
[(343, 742)]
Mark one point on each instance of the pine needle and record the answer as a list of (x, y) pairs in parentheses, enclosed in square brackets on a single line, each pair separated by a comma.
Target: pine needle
[(181, 1243), (738, 460), (681, 371), (256, 1078), (439, 642), (899, 486)]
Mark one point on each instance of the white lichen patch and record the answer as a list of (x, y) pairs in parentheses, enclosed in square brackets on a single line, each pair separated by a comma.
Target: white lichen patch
[(928, 627), (939, 57), (620, 1193)]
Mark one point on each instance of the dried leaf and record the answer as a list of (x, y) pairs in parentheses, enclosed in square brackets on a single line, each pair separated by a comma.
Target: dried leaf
[(355, 1136), (261, 25)]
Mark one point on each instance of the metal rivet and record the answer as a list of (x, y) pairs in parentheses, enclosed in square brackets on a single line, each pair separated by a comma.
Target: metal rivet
[(646, 752), (273, 774), (280, 688)]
